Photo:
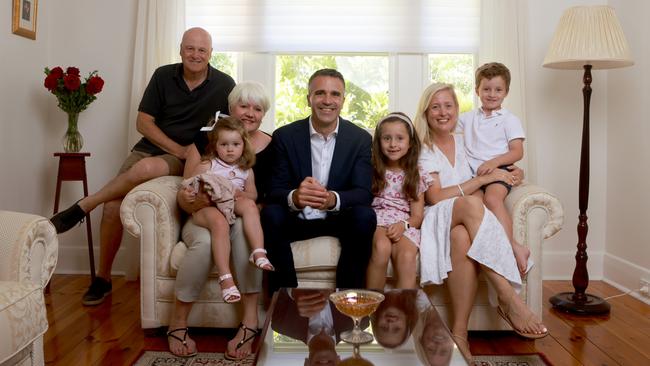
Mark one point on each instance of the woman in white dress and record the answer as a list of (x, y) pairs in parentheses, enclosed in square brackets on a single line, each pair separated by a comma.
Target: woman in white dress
[(459, 236)]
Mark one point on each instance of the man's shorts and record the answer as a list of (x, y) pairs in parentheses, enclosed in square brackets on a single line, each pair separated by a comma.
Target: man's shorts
[(175, 164), (508, 186)]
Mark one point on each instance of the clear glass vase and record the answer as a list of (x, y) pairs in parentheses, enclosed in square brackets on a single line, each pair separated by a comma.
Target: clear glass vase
[(72, 140)]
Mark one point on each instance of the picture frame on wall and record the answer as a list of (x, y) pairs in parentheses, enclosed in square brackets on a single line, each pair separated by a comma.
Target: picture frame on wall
[(24, 18)]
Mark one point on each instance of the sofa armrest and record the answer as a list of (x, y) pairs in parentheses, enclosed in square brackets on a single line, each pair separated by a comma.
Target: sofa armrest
[(150, 212), (536, 215), (29, 247), (526, 198)]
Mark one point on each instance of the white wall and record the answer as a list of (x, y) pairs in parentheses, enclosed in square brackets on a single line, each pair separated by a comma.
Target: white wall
[(618, 248), (90, 35), (628, 154), (27, 137), (554, 112)]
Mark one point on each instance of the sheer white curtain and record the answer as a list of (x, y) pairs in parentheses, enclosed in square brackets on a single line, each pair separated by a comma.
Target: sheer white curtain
[(502, 39), (159, 29)]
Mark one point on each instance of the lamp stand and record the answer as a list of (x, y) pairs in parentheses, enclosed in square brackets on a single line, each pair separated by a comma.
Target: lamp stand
[(579, 302)]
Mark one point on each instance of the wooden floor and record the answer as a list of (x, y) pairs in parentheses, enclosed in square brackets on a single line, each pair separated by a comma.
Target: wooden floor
[(110, 334)]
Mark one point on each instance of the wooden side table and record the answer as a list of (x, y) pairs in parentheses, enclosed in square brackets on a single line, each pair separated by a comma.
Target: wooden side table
[(72, 167)]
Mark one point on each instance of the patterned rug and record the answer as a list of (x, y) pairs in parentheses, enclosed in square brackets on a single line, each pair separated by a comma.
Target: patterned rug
[(151, 358), (511, 360)]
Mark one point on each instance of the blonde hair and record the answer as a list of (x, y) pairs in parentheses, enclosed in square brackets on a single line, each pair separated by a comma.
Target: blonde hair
[(421, 124), (247, 159), (430, 318)]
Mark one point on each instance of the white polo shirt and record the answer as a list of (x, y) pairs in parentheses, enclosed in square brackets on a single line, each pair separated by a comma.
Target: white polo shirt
[(488, 137)]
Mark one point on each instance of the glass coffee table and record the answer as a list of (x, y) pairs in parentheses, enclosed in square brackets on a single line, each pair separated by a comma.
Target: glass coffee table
[(304, 327)]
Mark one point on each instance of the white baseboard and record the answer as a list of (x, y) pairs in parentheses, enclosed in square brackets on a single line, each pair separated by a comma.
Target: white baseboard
[(560, 265), (625, 275), (74, 259)]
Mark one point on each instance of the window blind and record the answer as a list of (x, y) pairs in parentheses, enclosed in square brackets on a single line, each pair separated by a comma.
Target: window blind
[(399, 26)]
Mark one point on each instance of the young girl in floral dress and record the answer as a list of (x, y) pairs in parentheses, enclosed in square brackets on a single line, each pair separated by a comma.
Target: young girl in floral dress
[(225, 174), (398, 187)]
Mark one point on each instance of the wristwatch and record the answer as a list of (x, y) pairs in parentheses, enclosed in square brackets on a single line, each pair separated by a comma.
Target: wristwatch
[(406, 224)]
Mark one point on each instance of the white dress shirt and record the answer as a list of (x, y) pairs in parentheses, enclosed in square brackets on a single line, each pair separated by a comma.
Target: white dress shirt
[(322, 152), (321, 321)]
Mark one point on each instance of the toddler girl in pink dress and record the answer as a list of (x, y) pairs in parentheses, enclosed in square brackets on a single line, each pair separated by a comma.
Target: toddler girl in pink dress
[(225, 174)]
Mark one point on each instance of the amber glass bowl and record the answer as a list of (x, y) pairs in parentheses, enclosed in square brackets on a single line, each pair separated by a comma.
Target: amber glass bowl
[(356, 304)]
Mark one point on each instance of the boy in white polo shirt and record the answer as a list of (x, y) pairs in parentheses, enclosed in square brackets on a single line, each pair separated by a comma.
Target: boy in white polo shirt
[(494, 139)]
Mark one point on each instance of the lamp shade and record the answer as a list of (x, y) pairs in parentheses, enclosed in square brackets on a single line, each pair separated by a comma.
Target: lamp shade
[(588, 35)]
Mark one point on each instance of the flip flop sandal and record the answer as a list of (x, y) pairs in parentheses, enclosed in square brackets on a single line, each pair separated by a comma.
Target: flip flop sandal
[(506, 317), (261, 262), (182, 340), (244, 340)]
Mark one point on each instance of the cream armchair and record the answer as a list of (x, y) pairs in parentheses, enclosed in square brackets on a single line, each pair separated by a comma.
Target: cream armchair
[(28, 255), (150, 212)]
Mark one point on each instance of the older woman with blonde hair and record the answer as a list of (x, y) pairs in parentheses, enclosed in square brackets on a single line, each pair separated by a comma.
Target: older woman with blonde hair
[(460, 237)]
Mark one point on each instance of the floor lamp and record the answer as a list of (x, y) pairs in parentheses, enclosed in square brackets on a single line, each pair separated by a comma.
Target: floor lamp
[(588, 37)]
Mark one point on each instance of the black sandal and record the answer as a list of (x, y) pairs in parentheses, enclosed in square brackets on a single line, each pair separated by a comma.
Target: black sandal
[(182, 340), (244, 340)]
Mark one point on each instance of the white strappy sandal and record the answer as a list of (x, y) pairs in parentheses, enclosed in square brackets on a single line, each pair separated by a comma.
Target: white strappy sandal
[(230, 294), (261, 262)]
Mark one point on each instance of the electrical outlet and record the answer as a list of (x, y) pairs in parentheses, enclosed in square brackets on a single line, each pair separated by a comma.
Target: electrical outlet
[(644, 286)]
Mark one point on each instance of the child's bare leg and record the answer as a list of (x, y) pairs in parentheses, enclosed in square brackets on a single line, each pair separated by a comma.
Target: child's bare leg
[(495, 194), (208, 218), (250, 214), (404, 255), (381, 251)]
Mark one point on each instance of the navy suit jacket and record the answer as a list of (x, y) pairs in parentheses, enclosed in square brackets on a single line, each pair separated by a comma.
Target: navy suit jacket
[(351, 171)]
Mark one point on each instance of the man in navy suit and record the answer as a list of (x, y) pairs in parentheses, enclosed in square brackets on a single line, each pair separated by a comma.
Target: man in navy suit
[(320, 186)]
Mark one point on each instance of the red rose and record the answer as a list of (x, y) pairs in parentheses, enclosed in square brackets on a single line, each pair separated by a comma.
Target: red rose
[(71, 82), (51, 82), (94, 85), (57, 72), (72, 71)]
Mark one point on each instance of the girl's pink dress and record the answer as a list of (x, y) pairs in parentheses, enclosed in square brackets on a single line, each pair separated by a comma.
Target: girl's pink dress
[(392, 205)]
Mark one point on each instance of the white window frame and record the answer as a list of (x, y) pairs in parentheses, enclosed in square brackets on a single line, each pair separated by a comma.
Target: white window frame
[(409, 76)]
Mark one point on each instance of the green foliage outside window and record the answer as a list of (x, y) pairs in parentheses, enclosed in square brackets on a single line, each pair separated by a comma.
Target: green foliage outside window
[(456, 69), (225, 62), (366, 86), (366, 89)]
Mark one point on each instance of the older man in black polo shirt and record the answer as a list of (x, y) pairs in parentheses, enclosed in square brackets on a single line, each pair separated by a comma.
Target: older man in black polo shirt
[(178, 101)]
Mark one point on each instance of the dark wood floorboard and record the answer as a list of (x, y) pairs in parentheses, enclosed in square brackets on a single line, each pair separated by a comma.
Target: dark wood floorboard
[(110, 333)]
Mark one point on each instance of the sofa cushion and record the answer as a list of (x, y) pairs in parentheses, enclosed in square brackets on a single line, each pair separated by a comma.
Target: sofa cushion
[(312, 257), (316, 253), (22, 314), (308, 255), (322, 253)]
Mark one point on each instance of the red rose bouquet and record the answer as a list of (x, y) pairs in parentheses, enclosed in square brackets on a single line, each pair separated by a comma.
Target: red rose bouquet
[(73, 95)]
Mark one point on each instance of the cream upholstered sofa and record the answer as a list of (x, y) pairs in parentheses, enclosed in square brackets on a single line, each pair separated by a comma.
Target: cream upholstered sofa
[(150, 212), (28, 255)]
